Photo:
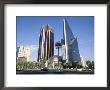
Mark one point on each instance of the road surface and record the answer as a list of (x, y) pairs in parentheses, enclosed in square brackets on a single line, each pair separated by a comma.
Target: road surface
[(52, 71)]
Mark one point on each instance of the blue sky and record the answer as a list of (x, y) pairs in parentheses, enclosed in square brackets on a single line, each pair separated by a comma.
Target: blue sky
[(28, 29)]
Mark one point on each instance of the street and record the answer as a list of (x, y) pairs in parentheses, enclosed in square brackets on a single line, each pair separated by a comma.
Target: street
[(53, 71)]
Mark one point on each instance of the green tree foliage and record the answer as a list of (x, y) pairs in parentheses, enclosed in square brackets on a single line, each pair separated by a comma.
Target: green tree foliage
[(58, 45), (42, 62), (23, 64), (90, 64)]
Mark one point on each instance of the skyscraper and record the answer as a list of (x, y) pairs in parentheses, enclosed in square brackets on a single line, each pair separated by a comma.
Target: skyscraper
[(46, 42), (70, 44)]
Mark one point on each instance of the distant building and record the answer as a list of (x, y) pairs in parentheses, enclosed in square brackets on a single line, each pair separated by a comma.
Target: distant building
[(55, 58), (82, 62), (70, 44), (63, 52), (46, 42), (53, 61), (23, 53)]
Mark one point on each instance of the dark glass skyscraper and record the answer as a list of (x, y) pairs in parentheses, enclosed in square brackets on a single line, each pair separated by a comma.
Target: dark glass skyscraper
[(70, 44), (46, 42)]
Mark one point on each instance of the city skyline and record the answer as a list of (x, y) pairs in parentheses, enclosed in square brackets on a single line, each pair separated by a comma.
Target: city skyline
[(28, 29)]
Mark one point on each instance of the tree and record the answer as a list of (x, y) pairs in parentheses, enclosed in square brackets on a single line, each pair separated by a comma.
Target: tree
[(20, 65), (43, 61), (74, 64), (28, 65), (25, 65), (58, 45), (90, 64), (39, 64), (36, 65), (17, 67)]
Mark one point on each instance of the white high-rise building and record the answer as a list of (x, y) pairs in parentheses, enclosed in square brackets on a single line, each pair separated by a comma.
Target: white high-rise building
[(63, 52), (82, 62), (23, 52)]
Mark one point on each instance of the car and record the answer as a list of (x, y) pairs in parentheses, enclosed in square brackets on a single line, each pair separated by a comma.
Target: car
[(71, 68), (44, 69), (86, 70), (89, 70), (79, 69), (59, 70)]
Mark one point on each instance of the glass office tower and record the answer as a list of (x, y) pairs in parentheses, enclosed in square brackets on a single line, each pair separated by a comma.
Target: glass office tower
[(46, 43), (70, 44)]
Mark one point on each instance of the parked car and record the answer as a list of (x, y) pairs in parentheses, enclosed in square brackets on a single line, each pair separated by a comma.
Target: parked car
[(79, 69), (89, 70), (44, 69)]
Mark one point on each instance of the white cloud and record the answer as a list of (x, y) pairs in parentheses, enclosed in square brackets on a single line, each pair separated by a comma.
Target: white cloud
[(33, 47)]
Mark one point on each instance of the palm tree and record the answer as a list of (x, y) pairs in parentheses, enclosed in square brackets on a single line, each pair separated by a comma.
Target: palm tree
[(58, 45)]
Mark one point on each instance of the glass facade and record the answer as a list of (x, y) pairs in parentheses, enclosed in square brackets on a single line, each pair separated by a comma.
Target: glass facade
[(70, 44), (46, 43)]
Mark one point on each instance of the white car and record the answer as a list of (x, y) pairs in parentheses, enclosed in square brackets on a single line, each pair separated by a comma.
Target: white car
[(79, 69)]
